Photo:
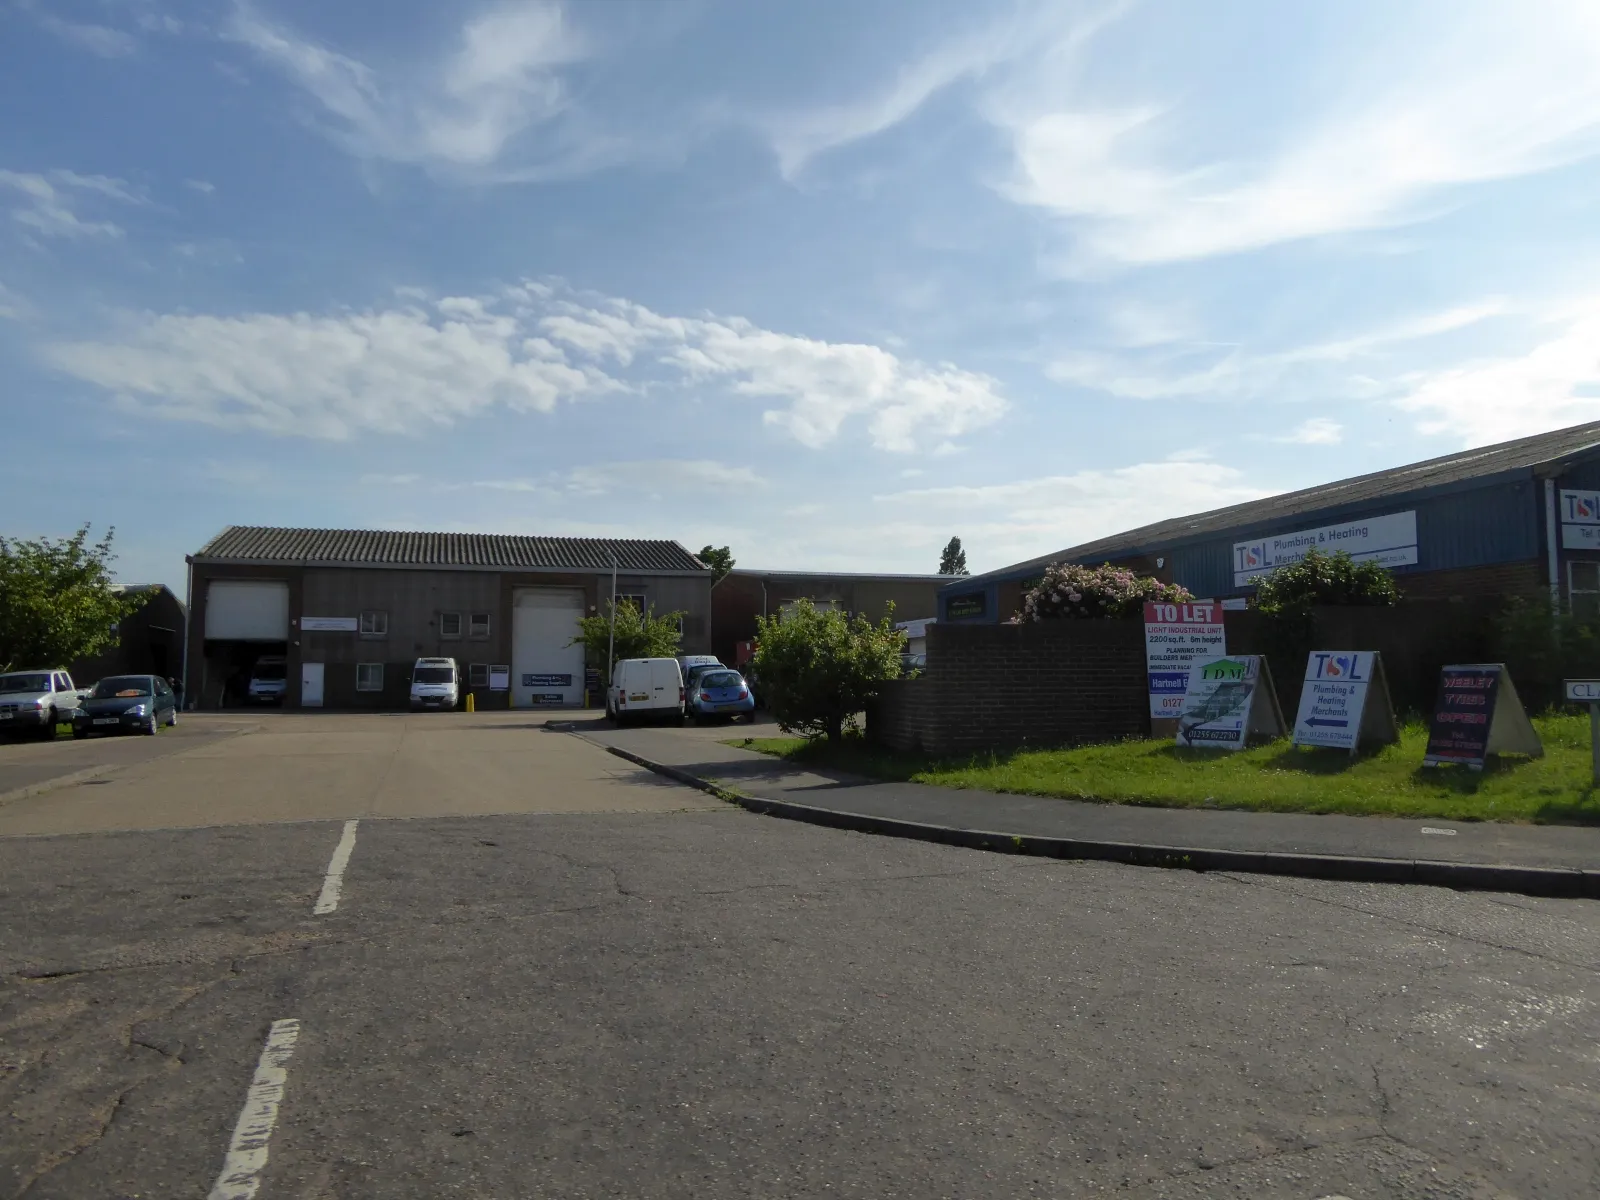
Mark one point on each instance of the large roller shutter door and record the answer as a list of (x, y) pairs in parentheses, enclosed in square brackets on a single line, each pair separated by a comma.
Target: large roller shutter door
[(253, 611), (545, 668)]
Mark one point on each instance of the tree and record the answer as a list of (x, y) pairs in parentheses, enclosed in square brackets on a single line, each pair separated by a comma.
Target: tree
[(57, 601), (638, 635), (818, 669), (1069, 590), (954, 559), (720, 561), (1318, 578)]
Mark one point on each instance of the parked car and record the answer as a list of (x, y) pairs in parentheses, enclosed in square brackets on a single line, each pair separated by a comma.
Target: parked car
[(435, 683), (645, 689), (127, 704), (692, 673), (36, 701), (720, 693), (269, 680), (687, 662)]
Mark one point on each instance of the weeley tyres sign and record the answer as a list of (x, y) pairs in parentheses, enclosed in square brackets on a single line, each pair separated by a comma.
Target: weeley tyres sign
[(1580, 520), (1390, 541), (1176, 638)]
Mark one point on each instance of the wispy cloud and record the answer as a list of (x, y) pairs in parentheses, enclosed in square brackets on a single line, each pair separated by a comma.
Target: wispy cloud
[(202, 186), (48, 202), (461, 113), (101, 40), (424, 365), (12, 306), (1316, 431)]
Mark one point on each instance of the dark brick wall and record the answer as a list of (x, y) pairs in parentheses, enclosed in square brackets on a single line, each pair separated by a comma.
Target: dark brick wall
[(998, 687)]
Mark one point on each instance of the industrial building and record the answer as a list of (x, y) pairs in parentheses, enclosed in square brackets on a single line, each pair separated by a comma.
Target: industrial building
[(149, 639), (1518, 518), (351, 610), (742, 596)]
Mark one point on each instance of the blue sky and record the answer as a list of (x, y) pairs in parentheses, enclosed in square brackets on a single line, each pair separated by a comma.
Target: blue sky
[(828, 282)]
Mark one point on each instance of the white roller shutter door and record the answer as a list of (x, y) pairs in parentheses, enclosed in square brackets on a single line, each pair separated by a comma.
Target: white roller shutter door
[(545, 668), (253, 611)]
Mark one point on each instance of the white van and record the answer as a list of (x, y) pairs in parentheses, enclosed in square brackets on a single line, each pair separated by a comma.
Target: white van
[(645, 689), (435, 683)]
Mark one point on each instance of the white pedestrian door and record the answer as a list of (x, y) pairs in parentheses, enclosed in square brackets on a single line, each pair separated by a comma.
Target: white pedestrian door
[(311, 685), (546, 668)]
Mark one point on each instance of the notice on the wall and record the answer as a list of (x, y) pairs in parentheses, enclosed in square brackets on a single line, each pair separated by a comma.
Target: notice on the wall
[(1345, 703), (500, 679), (1478, 713), (966, 606), (1580, 520), (1228, 702), (555, 698), (329, 624), (1176, 637), (536, 681), (1389, 541)]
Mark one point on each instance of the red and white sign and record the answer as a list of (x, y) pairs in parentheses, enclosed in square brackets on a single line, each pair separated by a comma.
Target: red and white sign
[(1176, 638)]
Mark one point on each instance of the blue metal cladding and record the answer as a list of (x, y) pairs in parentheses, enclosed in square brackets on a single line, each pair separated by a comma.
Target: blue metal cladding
[(1495, 522), (1584, 477)]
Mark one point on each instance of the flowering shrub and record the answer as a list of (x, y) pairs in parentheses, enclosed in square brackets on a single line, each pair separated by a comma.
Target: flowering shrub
[(1072, 591)]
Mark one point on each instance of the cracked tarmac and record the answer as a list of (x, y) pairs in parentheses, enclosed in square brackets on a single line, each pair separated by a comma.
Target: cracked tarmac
[(716, 1004)]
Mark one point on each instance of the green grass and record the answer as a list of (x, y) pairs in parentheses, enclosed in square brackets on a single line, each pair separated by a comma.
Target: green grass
[(1276, 777)]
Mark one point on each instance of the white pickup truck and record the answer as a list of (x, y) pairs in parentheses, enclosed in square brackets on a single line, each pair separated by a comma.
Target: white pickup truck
[(36, 701)]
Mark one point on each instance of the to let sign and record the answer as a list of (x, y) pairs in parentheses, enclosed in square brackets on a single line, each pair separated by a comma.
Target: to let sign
[(1176, 638)]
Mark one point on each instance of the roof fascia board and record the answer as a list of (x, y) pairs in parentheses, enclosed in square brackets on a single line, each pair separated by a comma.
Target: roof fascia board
[(320, 565)]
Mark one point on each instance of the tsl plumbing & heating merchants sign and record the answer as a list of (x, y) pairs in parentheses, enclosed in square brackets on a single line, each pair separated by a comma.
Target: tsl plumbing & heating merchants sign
[(1344, 701), (1176, 637), (1389, 541), (1580, 520)]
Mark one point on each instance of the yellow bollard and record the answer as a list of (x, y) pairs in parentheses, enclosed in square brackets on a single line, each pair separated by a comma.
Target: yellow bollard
[(472, 702)]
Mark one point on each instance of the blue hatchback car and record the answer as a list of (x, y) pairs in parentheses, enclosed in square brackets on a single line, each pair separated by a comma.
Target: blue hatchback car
[(720, 693)]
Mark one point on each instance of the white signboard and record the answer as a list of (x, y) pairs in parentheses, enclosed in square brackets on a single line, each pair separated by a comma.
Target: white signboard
[(1176, 637), (1389, 541), (1228, 702), (1345, 701), (1580, 520), (329, 624), (499, 678), (1583, 691)]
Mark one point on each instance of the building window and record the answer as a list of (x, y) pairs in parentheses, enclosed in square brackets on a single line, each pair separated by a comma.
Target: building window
[(478, 626), (449, 625), (1583, 589), (369, 677), (374, 623), (478, 675)]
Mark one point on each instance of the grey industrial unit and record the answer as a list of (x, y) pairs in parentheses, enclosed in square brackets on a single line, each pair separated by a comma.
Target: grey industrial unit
[(1511, 519), (351, 611)]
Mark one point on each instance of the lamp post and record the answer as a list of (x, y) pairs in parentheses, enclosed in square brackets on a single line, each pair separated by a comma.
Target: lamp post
[(611, 644)]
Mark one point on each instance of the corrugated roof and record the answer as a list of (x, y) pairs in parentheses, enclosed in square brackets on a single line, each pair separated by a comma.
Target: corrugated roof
[(386, 548), (1522, 454)]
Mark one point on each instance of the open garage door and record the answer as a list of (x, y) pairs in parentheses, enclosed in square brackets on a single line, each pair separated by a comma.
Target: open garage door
[(239, 611), (545, 668)]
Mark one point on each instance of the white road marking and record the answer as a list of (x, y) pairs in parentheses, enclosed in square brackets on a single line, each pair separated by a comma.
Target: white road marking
[(247, 1153), (333, 882), (1440, 832)]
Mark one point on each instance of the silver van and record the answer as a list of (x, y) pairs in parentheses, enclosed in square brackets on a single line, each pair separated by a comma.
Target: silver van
[(435, 683)]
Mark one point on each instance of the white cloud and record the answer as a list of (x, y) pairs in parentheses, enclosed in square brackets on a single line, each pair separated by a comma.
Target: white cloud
[(407, 368), (1316, 431), (1492, 95), (96, 39), (459, 113), (1555, 382), (12, 306), (202, 186), (49, 201), (389, 480), (663, 476)]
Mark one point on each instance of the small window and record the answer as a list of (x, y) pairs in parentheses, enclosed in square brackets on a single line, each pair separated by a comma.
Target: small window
[(478, 675), (374, 623), (479, 625), (369, 676), (449, 625), (1583, 589)]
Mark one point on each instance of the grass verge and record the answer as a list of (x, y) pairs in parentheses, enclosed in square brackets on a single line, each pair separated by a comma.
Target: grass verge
[(1278, 777)]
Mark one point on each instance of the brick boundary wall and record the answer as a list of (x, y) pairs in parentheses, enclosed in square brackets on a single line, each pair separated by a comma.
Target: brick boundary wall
[(1000, 687)]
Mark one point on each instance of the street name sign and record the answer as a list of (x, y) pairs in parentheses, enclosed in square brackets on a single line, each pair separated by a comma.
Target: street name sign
[(1228, 702), (1344, 703), (1176, 637), (1478, 713), (1587, 691)]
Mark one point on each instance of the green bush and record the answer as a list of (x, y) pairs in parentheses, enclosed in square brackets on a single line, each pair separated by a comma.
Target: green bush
[(818, 669), (1318, 578), (1069, 590), (638, 635), (1541, 647)]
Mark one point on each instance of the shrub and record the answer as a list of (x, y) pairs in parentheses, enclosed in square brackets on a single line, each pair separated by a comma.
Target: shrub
[(638, 635), (1318, 578), (1069, 590), (819, 669), (1542, 647)]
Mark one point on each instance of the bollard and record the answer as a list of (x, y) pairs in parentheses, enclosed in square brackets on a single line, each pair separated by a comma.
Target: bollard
[(472, 702), (1587, 691)]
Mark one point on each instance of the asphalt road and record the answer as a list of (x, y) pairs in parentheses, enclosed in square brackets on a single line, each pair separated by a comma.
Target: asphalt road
[(708, 1003)]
